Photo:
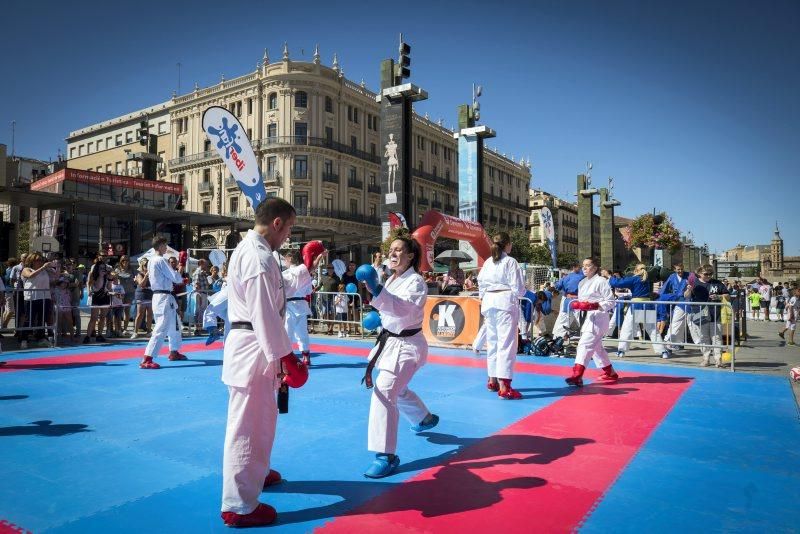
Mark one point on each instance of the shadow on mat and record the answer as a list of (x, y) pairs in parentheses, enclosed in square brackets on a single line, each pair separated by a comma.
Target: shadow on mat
[(58, 366), (337, 365), (454, 488), (589, 389), (43, 428), (13, 397), (193, 362), (653, 379)]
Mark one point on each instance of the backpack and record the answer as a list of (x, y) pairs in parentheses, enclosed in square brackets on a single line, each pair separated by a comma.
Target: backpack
[(540, 346)]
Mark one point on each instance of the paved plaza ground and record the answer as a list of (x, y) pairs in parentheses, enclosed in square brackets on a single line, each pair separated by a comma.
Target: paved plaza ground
[(91, 443)]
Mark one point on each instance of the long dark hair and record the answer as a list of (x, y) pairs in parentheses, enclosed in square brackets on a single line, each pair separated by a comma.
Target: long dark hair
[(499, 243)]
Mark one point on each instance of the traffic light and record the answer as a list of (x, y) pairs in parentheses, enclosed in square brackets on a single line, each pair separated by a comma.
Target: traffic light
[(403, 67), (144, 133)]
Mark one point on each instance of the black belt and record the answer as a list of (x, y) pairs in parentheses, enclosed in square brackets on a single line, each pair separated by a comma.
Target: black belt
[(295, 298), (381, 342), (241, 325), (162, 292)]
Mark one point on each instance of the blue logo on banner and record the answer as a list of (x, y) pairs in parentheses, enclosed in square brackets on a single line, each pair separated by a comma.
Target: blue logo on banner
[(227, 137)]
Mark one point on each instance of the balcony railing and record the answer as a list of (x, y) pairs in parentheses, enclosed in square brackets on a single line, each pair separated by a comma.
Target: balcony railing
[(299, 140), (272, 177), (422, 201), (330, 177), (449, 208), (205, 188), (230, 183), (435, 179), (194, 158), (374, 188), (502, 221), (301, 174), (437, 205), (355, 183), (338, 214)]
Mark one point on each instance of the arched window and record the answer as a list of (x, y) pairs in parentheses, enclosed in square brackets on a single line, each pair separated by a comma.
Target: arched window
[(301, 99), (328, 104), (272, 101)]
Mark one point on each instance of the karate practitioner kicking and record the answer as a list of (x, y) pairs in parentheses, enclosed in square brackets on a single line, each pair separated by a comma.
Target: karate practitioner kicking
[(500, 286), (165, 308), (594, 302), (400, 351), (297, 309), (257, 358)]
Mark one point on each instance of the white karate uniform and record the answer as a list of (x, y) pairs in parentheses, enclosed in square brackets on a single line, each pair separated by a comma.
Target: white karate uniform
[(595, 326), (401, 304), (633, 318), (297, 311), (681, 321), (217, 308), (565, 318), (500, 286), (165, 307), (250, 369)]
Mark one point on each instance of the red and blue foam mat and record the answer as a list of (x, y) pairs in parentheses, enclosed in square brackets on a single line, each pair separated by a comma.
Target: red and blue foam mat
[(91, 443)]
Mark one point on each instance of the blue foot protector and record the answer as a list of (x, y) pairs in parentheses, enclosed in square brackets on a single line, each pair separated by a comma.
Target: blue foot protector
[(382, 467), (433, 420)]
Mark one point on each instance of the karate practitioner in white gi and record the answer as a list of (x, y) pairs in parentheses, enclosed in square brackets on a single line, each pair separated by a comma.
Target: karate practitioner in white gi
[(500, 285), (165, 308), (401, 350), (297, 277), (595, 300), (257, 357)]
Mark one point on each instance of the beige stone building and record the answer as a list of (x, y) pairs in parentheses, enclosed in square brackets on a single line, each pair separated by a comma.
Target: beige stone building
[(565, 222), (768, 261), (316, 135)]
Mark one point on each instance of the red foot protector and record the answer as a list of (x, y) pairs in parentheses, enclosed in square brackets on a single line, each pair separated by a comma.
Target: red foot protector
[(544, 473)]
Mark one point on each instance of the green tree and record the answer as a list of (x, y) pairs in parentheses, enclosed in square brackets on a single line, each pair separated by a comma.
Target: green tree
[(735, 272), (521, 248), (23, 238), (750, 271), (566, 260)]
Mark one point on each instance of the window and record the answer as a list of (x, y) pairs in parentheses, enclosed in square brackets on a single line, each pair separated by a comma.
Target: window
[(249, 133), (373, 149), (355, 115), (118, 139), (162, 127), (206, 145), (447, 174), (89, 146), (71, 152), (434, 149), (328, 203), (249, 106), (328, 167), (272, 130), (421, 166), (182, 151), (353, 174), (373, 210), (234, 205), (271, 162), (300, 132), (301, 202), (329, 134), (353, 206), (372, 179), (435, 171), (80, 150), (206, 176), (99, 145), (353, 142), (206, 206), (301, 166), (118, 167), (328, 104), (109, 142), (239, 108), (108, 168), (181, 178), (350, 113), (128, 137), (301, 99), (272, 101)]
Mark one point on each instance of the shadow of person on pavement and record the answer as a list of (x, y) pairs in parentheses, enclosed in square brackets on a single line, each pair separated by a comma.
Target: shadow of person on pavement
[(43, 428)]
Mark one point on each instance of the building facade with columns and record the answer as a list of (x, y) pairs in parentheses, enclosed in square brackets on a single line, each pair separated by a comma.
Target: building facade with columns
[(316, 137), (565, 223)]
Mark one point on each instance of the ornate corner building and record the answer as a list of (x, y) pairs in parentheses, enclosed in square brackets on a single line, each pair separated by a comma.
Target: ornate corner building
[(316, 136)]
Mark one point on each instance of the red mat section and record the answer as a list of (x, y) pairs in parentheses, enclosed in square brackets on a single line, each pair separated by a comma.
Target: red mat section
[(545, 473)]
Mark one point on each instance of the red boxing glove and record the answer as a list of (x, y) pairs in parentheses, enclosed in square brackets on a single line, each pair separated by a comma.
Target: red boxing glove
[(311, 251), (295, 372), (183, 257), (584, 306)]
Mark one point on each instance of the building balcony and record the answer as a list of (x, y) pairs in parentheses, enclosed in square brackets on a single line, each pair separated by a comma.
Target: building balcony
[(355, 183), (422, 201), (205, 188), (374, 188), (299, 140), (435, 179), (338, 214), (301, 174), (449, 208), (230, 183), (330, 177), (202, 157), (503, 222), (272, 177), (436, 204)]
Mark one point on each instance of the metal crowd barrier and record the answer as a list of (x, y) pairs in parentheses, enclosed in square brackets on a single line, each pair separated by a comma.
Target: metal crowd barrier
[(323, 311), (688, 324)]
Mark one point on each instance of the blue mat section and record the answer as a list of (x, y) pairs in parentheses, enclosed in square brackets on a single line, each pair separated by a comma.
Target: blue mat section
[(109, 447)]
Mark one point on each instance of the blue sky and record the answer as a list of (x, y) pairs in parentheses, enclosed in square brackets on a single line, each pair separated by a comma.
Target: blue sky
[(692, 107)]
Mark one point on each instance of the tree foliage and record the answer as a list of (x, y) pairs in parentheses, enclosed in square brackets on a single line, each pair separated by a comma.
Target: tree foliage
[(654, 231)]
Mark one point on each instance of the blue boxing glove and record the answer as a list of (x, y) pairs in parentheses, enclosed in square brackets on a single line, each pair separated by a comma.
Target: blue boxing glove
[(367, 274), (213, 335), (371, 321)]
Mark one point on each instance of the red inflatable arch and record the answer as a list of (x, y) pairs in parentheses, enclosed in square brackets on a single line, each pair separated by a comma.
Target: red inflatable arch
[(435, 225)]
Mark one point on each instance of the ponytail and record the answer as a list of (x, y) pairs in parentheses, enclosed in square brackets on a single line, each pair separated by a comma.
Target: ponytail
[(499, 242)]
